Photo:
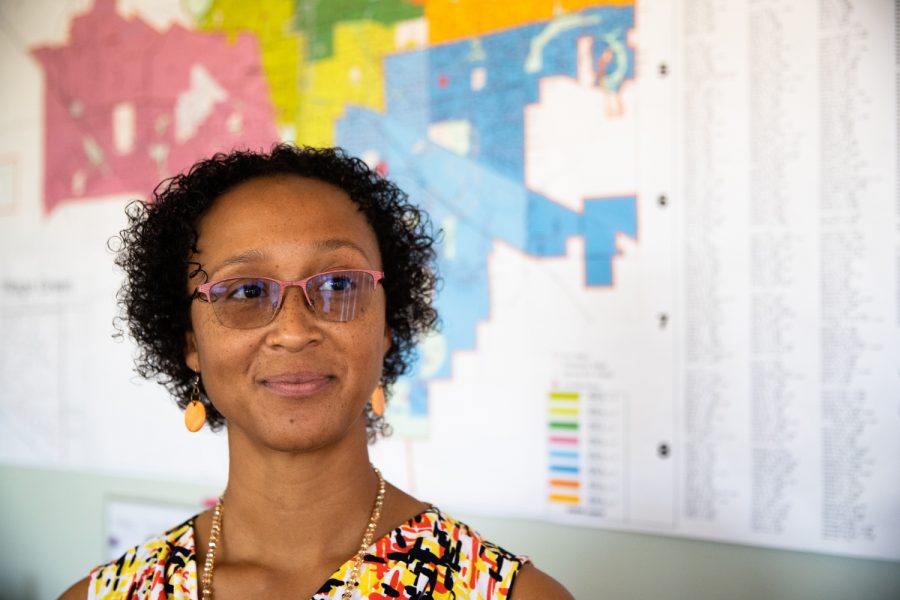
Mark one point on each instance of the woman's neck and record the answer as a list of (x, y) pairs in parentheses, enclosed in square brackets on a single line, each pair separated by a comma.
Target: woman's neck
[(296, 508)]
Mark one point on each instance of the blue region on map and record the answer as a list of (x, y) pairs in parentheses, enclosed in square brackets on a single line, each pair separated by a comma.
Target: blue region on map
[(601, 221), (495, 111), (550, 225), (482, 196)]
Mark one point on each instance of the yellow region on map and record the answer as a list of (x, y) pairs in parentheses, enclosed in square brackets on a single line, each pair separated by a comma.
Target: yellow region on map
[(309, 95), (450, 20), (282, 52), (352, 75)]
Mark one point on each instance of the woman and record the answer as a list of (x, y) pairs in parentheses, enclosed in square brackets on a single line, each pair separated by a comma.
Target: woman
[(299, 376)]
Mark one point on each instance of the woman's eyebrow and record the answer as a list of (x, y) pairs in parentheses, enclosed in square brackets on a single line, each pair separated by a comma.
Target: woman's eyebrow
[(255, 255), (243, 257), (337, 244)]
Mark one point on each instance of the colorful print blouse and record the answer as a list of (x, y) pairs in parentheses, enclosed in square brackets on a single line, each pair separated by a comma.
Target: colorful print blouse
[(430, 556)]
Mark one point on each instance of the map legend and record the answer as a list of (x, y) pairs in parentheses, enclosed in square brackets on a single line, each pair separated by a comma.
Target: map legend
[(564, 464), (585, 418)]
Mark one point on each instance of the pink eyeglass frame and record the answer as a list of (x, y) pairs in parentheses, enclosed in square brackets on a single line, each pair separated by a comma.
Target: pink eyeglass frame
[(203, 291)]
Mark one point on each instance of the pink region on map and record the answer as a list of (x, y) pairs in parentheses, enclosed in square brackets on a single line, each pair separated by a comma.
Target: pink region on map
[(127, 105)]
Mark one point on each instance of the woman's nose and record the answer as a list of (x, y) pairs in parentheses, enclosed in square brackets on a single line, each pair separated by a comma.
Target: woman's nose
[(295, 324)]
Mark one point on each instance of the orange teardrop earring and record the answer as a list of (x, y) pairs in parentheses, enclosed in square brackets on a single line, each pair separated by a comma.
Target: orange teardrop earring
[(195, 413), (378, 401)]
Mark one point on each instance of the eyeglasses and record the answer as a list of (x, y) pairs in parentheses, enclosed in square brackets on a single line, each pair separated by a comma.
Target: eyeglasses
[(248, 302)]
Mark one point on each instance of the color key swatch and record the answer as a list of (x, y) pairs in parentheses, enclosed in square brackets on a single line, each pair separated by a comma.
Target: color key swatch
[(564, 465)]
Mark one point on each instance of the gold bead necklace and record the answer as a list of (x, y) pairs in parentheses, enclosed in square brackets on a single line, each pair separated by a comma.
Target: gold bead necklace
[(210, 562)]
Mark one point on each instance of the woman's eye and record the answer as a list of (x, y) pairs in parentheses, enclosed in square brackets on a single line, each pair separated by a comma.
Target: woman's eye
[(247, 291), (337, 283)]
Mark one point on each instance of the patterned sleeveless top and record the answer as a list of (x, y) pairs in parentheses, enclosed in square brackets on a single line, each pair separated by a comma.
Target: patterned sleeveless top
[(430, 556)]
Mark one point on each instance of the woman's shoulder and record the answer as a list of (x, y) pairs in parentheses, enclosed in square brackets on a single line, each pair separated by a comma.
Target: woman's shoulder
[(534, 584), (164, 566), (78, 590)]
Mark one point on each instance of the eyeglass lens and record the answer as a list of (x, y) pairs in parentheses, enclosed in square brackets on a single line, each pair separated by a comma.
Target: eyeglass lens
[(248, 302)]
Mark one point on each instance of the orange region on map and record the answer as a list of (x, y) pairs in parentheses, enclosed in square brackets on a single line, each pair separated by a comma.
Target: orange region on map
[(282, 52), (450, 20), (353, 75)]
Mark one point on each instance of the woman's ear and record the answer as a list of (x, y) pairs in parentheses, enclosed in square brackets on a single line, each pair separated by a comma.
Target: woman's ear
[(191, 354), (387, 340)]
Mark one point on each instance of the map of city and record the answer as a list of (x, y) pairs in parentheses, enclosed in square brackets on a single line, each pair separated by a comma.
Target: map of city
[(665, 233), (506, 122)]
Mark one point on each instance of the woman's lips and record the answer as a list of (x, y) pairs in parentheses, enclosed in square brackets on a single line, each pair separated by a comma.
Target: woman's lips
[(296, 385)]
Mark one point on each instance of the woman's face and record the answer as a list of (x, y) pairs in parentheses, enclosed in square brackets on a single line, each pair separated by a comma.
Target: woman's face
[(299, 382)]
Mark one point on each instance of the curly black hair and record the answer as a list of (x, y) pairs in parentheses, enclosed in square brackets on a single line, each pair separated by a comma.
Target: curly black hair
[(155, 251)]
